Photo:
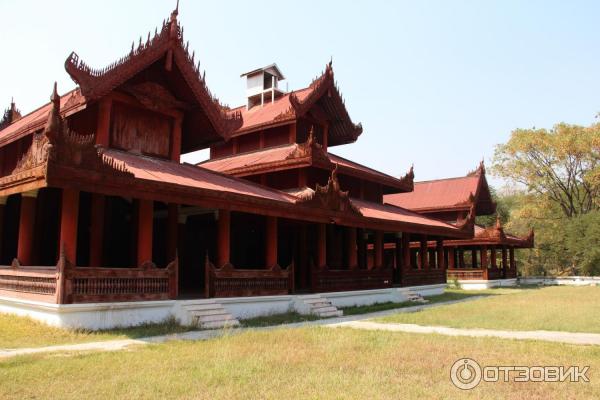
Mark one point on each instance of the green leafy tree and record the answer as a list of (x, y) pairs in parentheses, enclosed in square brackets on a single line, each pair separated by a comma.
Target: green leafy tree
[(561, 164)]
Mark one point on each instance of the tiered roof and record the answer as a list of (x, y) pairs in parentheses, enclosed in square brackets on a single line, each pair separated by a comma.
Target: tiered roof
[(291, 106)]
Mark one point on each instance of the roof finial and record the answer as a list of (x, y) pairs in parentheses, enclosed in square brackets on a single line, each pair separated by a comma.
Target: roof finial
[(498, 222), (53, 123)]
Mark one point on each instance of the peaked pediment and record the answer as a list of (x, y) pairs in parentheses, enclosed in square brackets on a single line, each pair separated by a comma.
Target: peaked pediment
[(167, 48)]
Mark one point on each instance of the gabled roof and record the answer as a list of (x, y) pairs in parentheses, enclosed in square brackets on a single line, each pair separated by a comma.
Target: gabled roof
[(168, 43), (273, 67), (291, 106), (495, 236), (451, 194), (301, 155), (35, 120)]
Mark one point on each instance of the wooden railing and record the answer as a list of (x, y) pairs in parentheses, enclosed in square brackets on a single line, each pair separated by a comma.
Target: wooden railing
[(32, 283), (418, 277), (325, 279), (228, 281), (67, 284), (481, 273), (89, 285)]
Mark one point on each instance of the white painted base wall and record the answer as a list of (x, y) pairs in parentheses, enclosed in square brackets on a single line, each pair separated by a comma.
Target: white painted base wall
[(472, 284), (562, 280), (122, 314)]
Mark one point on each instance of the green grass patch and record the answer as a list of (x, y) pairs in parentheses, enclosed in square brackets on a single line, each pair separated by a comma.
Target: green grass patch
[(302, 363), (19, 332), (554, 308)]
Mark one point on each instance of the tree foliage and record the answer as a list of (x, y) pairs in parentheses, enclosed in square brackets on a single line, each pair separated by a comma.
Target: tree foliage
[(561, 164)]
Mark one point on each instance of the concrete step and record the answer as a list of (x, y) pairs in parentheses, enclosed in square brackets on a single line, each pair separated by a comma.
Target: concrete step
[(320, 304), (324, 309), (221, 324), (202, 307), (329, 314), (215, 311), (213, 318)]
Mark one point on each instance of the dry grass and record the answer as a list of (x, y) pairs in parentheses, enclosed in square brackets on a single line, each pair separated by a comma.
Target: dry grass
[(555, 308), (314, 363), (18, 332)]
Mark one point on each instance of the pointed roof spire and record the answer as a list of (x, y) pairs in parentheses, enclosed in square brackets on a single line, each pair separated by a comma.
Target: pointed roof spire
[(53, 123), (498, 222), (11, 114)]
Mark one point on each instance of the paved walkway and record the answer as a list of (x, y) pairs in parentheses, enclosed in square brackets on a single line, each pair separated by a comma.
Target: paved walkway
[(548, 336), (351, 321)]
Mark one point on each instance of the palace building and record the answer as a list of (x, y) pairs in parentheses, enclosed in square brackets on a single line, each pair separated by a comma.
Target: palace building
[(101, 224), (485, 260)]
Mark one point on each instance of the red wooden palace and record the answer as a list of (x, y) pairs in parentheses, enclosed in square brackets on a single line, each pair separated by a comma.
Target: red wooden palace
[(490, 252), (96, 205)]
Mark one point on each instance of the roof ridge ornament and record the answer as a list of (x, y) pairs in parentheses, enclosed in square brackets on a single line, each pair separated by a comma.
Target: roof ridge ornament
[(52, 128), (479, 171), (11, 114)]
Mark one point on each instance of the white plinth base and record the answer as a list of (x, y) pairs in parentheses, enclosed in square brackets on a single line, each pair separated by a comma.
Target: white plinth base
[(471, 284), (97, 316)]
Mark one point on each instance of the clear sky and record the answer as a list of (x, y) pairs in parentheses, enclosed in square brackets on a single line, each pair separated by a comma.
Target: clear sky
[(434, 83)]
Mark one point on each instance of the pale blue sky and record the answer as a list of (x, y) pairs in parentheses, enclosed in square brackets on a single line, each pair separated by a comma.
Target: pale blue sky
[(435, 83)]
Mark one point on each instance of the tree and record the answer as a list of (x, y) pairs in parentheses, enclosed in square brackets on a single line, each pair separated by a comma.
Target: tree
[(561, 164)]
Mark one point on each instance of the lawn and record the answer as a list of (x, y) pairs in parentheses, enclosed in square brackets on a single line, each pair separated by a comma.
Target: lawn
[(554, 308), (311, 362), (18, 332)]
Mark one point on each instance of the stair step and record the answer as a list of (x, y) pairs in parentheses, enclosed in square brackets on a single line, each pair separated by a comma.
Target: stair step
[(216, 311), (212, 318), (320, 304), (336, 313), (324, 309), (318, 300), (201, 307)]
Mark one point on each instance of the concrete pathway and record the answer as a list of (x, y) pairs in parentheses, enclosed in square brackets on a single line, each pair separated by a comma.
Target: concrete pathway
[(351, 321), (548, 336)]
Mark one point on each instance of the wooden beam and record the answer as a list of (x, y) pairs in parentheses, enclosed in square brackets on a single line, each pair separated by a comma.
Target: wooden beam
[(271, 242), (97, 229), (26, 228), (224, 239), (144, 234), (68, 224)]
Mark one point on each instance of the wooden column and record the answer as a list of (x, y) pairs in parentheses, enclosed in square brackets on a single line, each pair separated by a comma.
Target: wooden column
[(461, 258), (484, 257), (68, 224), (399, 261), (2, 205), (176, 139), (439, 245), (26, 228), (474, 258), (511, 252), (271, 242), (325, 136), (144, 232), (504, 258), (451, 258), (97, 230), (321, 245), (224, 238), (423, 253), (292, 134), (406, 251), (103, 125), (351, 247), (493, 257), (172, 230), (378, 248), (303, 268)]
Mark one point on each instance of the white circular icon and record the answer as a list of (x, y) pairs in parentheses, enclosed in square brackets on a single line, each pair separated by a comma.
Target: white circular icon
[(465, 373)]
